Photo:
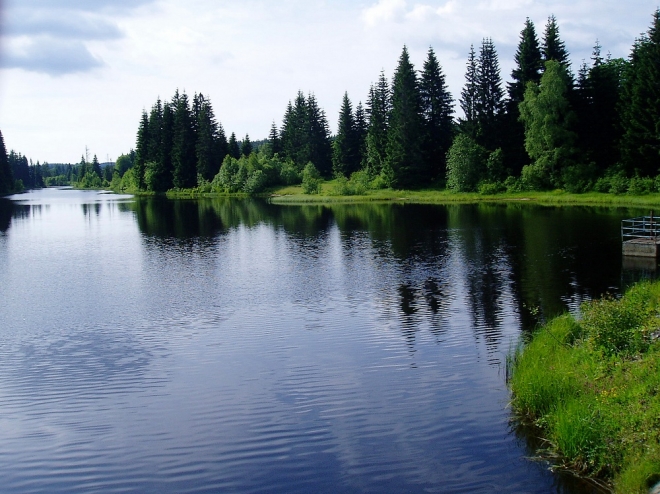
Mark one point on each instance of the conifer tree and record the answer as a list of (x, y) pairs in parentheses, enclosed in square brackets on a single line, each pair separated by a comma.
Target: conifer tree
[(597, 96), (233, 149), (469, 96), (183, 145), (529, 64), (6, 175), (154, 141), (379, 107), (246, 146), (96, 167), (489, 104), (206, 147), (141, 151), (345, 156), (404, 137), (274, 140), (640, 108), (361, 132), (553, 47), (437, 109), (319, 145)]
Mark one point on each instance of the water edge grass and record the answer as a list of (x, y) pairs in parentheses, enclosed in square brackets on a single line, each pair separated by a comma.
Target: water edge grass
[(591, 386)]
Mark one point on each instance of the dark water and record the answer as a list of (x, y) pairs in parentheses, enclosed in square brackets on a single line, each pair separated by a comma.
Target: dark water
[(236, 346)]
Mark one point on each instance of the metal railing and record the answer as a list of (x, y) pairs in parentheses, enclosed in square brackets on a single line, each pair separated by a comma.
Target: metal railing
[(640, 227)]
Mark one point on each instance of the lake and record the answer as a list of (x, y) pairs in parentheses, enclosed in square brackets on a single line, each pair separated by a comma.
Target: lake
[(226, 345)]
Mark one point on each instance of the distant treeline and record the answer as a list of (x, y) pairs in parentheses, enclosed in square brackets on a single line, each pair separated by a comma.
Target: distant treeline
[(548, 129)]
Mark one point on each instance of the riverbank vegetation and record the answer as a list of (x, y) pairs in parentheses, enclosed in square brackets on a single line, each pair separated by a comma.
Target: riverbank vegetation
[(546, 129), (591, 385)]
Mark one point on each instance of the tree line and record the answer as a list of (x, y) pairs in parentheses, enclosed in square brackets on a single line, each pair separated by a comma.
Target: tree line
[(545, 129)]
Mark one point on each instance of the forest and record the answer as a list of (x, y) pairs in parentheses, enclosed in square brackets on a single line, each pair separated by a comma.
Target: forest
[(546, 129)]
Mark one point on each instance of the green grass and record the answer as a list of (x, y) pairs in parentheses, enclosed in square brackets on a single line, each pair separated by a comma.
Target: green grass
[(592, 387), (294, 195)]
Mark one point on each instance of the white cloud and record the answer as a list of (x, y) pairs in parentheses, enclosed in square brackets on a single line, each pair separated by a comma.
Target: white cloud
[(114, 57)]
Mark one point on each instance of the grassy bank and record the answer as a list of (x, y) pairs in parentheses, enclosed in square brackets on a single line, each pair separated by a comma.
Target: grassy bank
[(294, 195), (592, 388)]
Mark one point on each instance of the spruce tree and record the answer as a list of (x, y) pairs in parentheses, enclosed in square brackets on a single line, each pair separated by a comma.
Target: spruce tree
[(141, 151), (345, 156), (379, 107), (640, 106), (489, 103), (233, 149), (553, 47), (360, 132), (183, 145), (96, 167), (437, 109), (6, 175), (319, 145), (206, 148), (155, 130), (246, 146), (529, 64), (528, 68), (469, 94), (274, 140), (406, 126)]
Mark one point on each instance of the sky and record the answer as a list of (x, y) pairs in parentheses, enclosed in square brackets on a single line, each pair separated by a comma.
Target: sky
[(77, 74)]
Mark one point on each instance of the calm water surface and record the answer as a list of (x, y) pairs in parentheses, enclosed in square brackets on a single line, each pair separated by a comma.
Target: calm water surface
[(236, 346)]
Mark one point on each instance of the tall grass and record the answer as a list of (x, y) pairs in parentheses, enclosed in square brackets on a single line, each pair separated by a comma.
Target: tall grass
[(592, 386)]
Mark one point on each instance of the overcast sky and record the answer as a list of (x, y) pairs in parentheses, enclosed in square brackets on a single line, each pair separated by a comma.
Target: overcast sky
[(76, 73)]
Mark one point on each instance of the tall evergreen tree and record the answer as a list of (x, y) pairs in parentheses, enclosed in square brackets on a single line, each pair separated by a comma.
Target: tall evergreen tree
[(596, 105), (206, 148), (404, 137), (345, 156), (379, 107), (469, 95), (437, 109), (96, 167), (489, 104), (640, 108), (361, 132), (528, 68), (183, 146), (141, 151), (529, 63), (233, 149), (6, 175), (274, 140), (553, 47), (319, 144), (154, 140), (246, 146)]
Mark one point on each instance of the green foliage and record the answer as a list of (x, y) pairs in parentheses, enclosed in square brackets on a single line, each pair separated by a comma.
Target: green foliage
[(405, 131), (466, 163), (90, 181), (491, 188), (579, 178), (592, 388), (358, 184), (548, 119), (311, 179), (640, 105)]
